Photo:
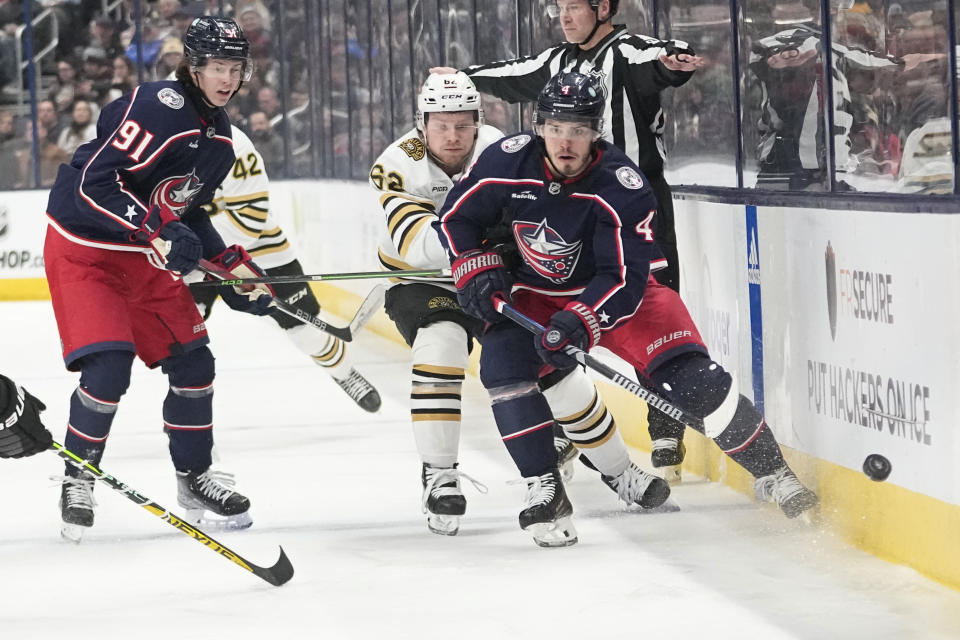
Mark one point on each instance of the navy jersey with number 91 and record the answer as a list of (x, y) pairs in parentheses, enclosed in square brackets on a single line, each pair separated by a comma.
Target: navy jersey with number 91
[(153, 147)]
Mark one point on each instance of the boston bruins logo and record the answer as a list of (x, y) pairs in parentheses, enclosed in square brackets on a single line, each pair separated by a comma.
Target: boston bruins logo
[(443, 302), (414, 148)]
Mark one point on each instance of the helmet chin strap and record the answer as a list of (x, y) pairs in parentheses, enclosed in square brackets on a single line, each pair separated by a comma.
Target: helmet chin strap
[(596, 25), (553, 167), (203, 94)]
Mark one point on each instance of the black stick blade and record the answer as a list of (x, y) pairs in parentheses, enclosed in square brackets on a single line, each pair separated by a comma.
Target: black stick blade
[(280, 573)]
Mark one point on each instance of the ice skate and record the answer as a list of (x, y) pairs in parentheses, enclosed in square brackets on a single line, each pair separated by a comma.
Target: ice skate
[(667, 456), (636, 486), (783, 488), (547, 513), (443, 500), (76, 506), (360, 391), (566, 455), (210, 502)]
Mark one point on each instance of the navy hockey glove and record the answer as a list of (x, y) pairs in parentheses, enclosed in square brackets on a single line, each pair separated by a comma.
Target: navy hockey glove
[(255, 299), (575, 325), (479, 278), (21, 432), (177, 246)]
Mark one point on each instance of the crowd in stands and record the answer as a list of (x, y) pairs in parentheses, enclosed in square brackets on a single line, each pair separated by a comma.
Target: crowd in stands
[(99, 58), (364, 85)]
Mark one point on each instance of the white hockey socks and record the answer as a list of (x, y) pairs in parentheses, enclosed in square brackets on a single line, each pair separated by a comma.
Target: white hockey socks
[(439, 361), (326, 350), (578, 408)]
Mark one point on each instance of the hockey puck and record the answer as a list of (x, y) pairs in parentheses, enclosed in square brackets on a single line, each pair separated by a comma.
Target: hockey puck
[(877, 467)]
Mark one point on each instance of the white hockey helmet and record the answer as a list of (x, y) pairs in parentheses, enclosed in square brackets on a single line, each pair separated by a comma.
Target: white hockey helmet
[(448, 92)]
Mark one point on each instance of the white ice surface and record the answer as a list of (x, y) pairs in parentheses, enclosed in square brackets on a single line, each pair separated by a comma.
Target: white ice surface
[(340, 491)]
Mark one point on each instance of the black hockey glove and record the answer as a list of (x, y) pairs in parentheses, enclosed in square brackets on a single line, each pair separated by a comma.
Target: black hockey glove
[(255, 299), (177, 246), (575, 325), (479, 278), (21, 432)]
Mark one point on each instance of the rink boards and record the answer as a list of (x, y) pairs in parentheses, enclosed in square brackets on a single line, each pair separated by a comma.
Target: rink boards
[(842, 325)]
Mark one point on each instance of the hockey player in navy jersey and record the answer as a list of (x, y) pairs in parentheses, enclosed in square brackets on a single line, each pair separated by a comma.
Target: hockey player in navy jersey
[(581, 213), (411, 179), (633, 70), (124, 224)]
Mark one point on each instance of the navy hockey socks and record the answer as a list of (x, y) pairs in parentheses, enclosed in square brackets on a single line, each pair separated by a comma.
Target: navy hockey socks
[(749, 441), (188, 409), (526, 426), (104, 378)]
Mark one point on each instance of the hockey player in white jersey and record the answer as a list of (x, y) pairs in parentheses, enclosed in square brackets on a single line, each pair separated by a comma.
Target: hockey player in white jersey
[(412, 178), (240, 212)]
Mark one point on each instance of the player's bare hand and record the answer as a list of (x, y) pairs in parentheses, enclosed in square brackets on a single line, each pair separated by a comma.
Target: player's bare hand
[(790, 58), (442, 70), (682, 62)]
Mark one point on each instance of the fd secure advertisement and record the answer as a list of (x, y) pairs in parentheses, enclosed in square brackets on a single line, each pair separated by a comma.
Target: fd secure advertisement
[(867, 339)]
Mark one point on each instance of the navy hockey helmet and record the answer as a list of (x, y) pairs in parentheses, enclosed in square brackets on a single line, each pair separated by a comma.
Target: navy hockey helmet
[(572, 97), (208, 37)]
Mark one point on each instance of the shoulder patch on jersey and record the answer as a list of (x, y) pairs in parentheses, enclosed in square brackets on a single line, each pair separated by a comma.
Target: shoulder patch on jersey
[(514, 144), (629, 178), (170, 97), (414, 148)]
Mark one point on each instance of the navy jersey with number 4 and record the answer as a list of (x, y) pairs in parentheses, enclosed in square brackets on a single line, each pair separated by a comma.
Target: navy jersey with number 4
[(588, 237), (152, 147)]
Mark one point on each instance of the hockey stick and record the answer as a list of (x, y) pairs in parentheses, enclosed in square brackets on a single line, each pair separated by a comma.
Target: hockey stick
[(652, 398), (325, 277), (364, 313), (370, 305), (276, 575)]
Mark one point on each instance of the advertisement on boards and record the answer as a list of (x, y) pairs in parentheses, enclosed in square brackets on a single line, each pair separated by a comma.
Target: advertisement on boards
[(23, 224), (865, 339)]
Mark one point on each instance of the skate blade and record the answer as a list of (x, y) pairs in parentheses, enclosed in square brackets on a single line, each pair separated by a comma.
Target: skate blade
[(672, 474), (209, 521), (443, 525), (72, 532), (559, 533), (667, 507), (807, 511)]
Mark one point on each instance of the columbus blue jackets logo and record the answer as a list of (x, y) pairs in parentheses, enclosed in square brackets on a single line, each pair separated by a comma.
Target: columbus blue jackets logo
[(546, 251), (170, 98), (514, 144), (177, 192), (629, 178)]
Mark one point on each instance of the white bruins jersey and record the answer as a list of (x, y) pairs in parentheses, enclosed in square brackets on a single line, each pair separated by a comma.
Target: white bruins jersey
[(411, 189), (240, 210)]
